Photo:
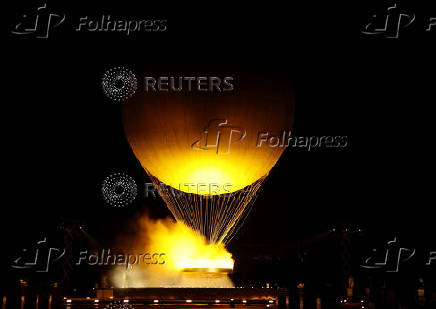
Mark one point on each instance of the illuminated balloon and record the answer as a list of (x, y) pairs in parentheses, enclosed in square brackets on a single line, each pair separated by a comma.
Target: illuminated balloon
[(204, 149)]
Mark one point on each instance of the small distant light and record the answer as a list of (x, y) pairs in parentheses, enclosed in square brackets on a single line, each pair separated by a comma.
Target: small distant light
[(96, 300), (267, 306), (65, 298), (87, 297), (361, 301), (111, 297), (345, 300), (244, 301), (217, 301), (270, 301), (126, 300), (68, 300), (156, 301), (231, 299), (189, 300)]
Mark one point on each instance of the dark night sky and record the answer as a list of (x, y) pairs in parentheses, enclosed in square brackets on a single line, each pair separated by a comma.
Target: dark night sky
[(63, 137)]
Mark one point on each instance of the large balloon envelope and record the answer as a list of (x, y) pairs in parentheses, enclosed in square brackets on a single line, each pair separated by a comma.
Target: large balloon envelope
[(201, 148)]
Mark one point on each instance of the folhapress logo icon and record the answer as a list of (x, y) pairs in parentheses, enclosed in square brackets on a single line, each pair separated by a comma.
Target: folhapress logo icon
[(389, 23), (391, 259), (219, 135), (39, 23), (38, 259), (393, 256)]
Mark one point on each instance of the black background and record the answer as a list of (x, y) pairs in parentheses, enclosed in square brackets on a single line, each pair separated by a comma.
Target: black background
[(62, 136)]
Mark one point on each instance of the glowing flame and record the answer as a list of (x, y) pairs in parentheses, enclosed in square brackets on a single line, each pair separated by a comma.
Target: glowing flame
[(186, 249), (207, 264), (190, 261)]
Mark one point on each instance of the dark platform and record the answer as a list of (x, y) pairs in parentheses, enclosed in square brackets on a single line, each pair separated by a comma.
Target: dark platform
[(225, 295)]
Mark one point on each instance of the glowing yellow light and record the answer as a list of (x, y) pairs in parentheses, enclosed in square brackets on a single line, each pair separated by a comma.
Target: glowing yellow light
[(209, 175), (185, 249), (188, 139), (211, 264)]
